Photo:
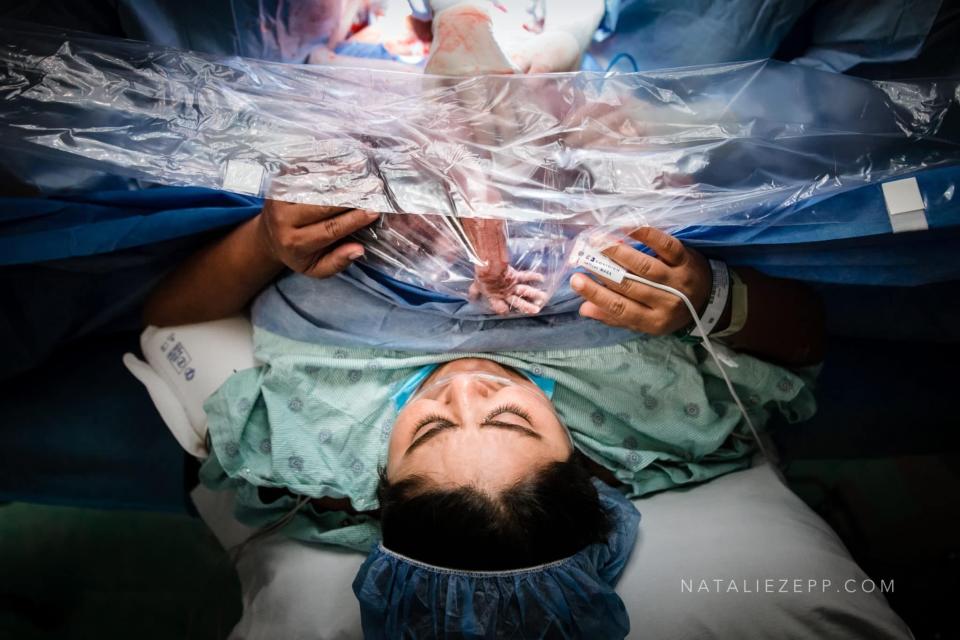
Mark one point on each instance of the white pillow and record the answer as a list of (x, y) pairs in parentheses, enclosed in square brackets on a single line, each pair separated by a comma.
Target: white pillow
[(185, 365), (741, 529)]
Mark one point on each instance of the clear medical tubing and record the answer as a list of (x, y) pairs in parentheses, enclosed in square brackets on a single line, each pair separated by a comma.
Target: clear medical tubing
[(727, 144)]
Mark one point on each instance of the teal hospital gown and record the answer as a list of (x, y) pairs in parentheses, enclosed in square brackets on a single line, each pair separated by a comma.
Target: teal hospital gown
[(315, 420)]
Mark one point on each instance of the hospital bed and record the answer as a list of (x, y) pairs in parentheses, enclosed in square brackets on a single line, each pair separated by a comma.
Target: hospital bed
[(702, 566), (880, 336), (294, 590)]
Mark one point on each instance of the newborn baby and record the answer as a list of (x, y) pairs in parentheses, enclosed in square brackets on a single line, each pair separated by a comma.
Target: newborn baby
[(464, 44), (471, 257)]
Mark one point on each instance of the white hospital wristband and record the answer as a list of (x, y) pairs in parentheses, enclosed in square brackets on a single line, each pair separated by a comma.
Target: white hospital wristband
[(719, 293)]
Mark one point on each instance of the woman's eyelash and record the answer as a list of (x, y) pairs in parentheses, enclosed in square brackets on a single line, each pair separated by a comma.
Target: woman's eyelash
[(508, 408), (441, 420), (433, 417)]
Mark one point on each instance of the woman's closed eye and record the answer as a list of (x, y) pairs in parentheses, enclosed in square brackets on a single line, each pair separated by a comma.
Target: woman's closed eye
[(492, 418), (431, 419), (433, 425)]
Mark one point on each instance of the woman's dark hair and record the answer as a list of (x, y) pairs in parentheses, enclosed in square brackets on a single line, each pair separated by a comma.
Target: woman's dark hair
[(551, 515)]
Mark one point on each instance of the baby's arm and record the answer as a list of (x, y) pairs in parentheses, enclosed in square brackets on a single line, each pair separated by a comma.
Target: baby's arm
[(222, 278)]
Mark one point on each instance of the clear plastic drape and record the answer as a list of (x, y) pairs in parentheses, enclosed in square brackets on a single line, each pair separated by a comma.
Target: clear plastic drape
[(733, 144)]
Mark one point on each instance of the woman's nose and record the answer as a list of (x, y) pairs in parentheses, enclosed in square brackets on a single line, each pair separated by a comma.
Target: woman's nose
[(464, 388)]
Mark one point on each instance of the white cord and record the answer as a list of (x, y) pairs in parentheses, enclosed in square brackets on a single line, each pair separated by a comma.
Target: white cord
[(709, 347)]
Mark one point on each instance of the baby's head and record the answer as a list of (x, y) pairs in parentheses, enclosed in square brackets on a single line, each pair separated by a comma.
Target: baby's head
[(481, 475)]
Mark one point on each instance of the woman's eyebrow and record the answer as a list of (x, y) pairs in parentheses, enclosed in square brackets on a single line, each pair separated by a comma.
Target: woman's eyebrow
[(429, 435)]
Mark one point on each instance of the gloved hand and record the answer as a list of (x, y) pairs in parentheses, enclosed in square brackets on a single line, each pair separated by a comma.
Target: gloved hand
[(464, 43), (548, 52), (567, 31)]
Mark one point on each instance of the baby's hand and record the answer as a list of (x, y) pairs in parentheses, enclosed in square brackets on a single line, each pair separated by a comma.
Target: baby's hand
[(306, 238), (506, 289)]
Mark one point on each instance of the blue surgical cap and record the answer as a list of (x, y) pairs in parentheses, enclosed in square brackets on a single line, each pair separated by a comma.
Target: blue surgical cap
[(570, 598)]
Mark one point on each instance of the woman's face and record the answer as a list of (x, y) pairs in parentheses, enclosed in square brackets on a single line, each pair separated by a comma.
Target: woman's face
[(477, 430)]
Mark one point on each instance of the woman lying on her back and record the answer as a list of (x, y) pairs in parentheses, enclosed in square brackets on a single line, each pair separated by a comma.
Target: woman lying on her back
[(485, 453)]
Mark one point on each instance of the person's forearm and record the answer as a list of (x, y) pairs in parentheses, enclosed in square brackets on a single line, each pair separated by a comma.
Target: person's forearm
[(221, 279), (218, 281), (784, 321)]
